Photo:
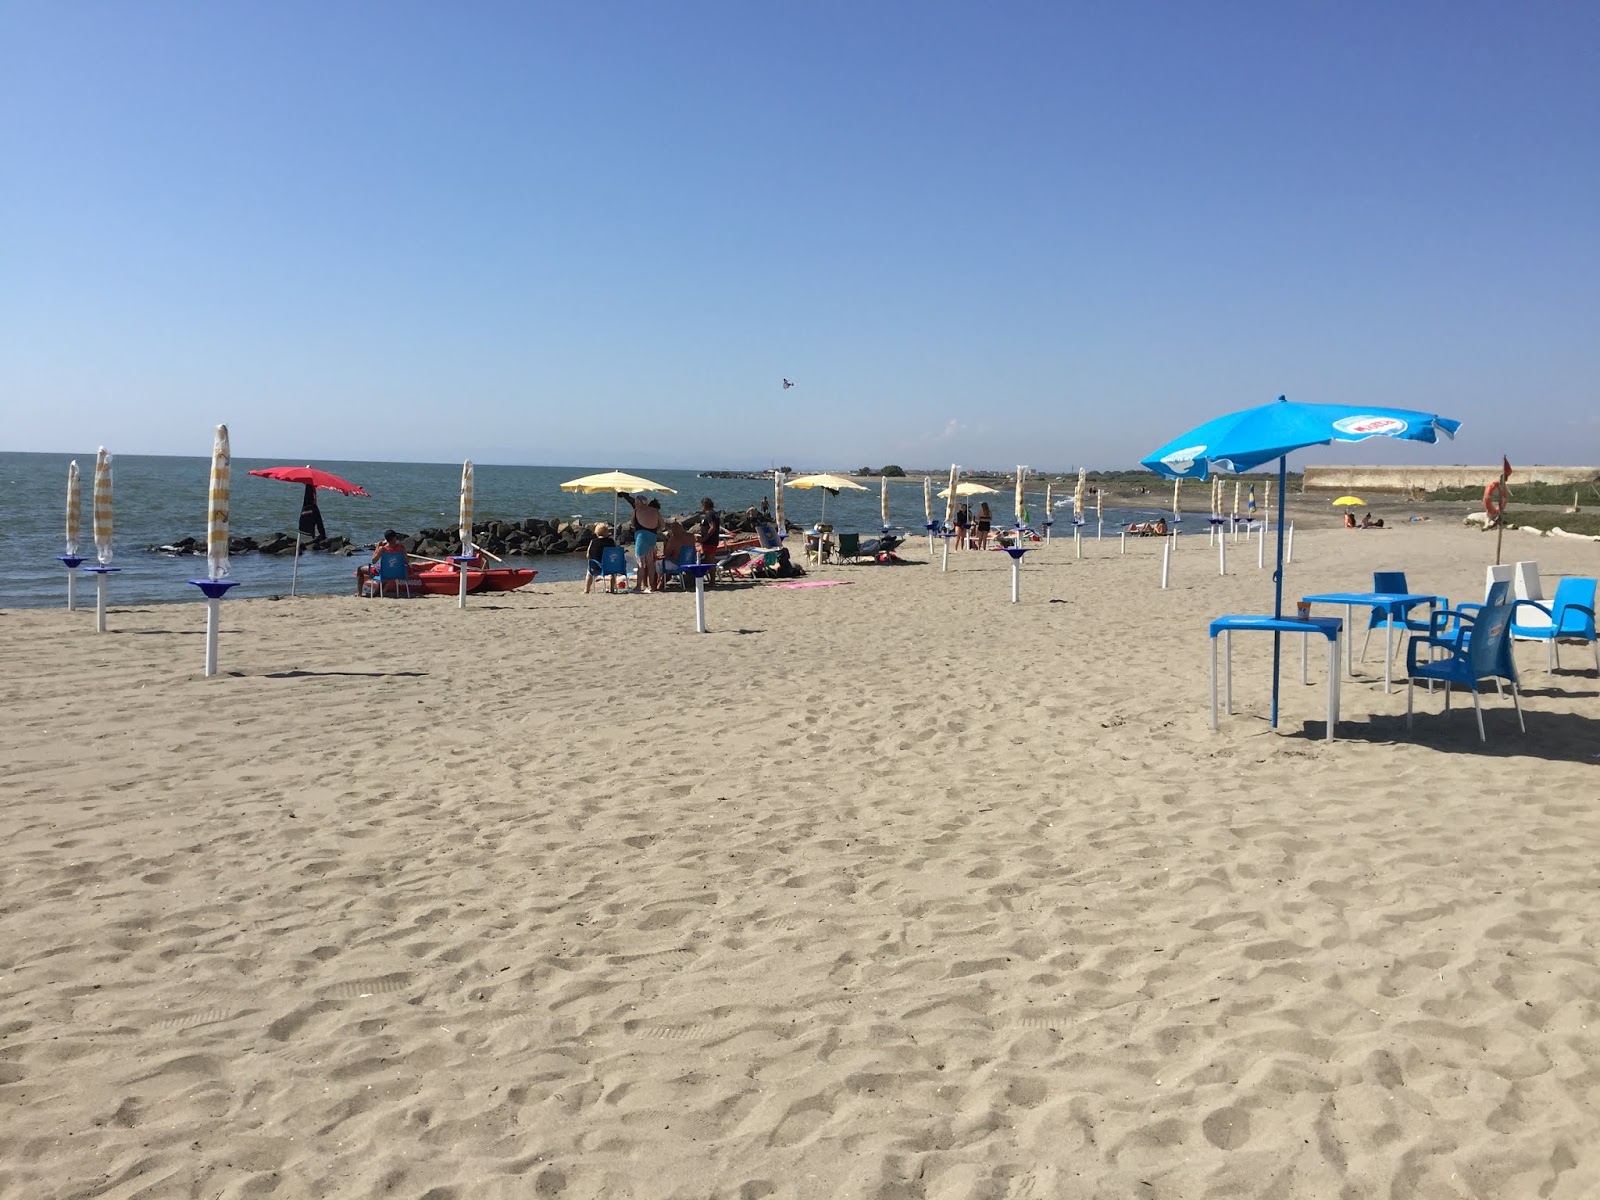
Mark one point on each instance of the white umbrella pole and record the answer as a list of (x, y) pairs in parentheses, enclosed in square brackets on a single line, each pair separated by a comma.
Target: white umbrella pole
[(294, 574), (1016, 577), (213, 619), (1222, 555), (1289, 556), (1166, 561), (1261, 546), (944, 563), (100, 602), (699, 603), (1077, 540), (72, 590), (1124, 541), (461, 599)]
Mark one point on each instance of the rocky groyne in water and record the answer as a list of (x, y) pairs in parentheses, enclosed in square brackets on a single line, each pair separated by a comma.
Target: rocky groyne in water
[(528, 538)]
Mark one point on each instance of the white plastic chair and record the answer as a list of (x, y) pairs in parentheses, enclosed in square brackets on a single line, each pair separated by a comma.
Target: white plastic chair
[(1525, 586)]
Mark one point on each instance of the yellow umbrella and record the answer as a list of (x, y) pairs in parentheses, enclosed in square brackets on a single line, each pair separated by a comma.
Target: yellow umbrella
[(1351, 501), (614, 482), (217, 521), (828, 483), (102, 506), (74, 509), (966, 489)]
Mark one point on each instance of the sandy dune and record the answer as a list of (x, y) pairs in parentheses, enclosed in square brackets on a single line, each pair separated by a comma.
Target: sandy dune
[(885, 890)]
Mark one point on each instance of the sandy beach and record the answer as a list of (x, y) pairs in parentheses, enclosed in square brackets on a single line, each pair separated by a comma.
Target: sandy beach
[(891, 889)]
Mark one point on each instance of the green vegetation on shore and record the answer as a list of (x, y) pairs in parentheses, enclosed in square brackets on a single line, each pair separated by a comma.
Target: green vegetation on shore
[(1529, 493)]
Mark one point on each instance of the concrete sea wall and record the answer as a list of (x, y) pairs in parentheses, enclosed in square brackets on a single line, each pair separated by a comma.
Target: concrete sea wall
[(1426, 479)]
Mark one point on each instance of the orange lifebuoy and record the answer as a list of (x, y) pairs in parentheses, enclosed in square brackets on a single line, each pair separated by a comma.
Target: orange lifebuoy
[(1494, 499)]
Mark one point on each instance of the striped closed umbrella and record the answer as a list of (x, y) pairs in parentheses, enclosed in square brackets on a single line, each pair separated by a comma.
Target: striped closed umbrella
[(777, 504), (1020, 506), (883, 499), (1177, 512), (1049, 499), (1099, 495), (74, 508), (927, 499), (1077, 497), (218, 498), (466, 508), (950, 499), (102, 506), (1250, 502), (1236, 499)]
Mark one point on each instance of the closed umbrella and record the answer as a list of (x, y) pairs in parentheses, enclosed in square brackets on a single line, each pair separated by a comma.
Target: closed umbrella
[(949, 495), (70, 559), (927, 509), (465, 528), (102, 507), (1246, 439), (777, 504), (883, 501), (216, 583), (74, 508), (1099, 513), (1077, 497), (313, 481), (102, 535), (217, 505), (1177, 513)]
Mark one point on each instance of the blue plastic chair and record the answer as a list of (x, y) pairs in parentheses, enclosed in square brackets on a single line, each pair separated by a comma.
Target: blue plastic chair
[(1571, 613), (1458, 633), (1396, 615), (1486, 654), (613, 562), (674, 567), (392, 568)]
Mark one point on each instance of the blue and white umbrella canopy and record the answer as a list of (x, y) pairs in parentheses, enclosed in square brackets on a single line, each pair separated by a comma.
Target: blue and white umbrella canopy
[(1242, 440), (1253, 436)]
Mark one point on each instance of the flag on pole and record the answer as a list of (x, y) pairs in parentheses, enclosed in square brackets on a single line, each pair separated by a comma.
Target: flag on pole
[(217, 503)]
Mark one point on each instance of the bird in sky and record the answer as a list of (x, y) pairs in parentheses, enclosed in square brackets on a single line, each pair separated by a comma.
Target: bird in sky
[(787, 384)]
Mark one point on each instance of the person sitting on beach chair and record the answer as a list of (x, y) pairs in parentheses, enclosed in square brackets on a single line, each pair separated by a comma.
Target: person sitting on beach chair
[(596, 554), (1350, 521)]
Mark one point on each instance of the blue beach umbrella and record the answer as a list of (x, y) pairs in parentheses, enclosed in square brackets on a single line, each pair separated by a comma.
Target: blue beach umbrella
[(1247, 439)]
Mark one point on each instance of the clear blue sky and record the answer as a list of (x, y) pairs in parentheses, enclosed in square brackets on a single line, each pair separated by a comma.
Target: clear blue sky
[(594, 233)]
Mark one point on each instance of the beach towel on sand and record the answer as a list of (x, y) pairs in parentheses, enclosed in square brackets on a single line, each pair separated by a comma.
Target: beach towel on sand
[(800, 583)]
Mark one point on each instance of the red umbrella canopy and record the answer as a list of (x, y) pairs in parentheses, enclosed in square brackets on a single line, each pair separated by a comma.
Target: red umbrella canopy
[(312, 476)]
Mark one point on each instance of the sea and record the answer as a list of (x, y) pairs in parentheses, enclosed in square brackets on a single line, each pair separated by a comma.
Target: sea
[(161, 499)]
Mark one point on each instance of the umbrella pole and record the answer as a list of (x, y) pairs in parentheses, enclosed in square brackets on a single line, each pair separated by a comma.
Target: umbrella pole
[(294, 572), (1277, 585)]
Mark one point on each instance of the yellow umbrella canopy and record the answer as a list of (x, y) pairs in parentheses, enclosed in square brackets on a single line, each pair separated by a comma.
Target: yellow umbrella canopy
[(829, 483), (837, 483), (1351, 501), (970, 489), (616, 481)]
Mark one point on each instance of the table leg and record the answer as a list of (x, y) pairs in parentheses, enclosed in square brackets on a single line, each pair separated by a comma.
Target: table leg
[(1388, 653), (1333, 685), (1304, 678), (1227, 679), (1213, 681), (1349, 642)]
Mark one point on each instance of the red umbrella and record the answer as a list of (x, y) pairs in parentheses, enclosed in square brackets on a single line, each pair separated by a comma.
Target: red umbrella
[(312, 476), (310, 518)]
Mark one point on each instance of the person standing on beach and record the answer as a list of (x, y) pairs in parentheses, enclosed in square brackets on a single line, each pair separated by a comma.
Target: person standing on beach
[(710, 535), (311, 525), (963, 523), (647, 525), (985, 520)]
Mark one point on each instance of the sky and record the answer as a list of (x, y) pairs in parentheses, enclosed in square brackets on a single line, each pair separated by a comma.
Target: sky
[(1055, 234)]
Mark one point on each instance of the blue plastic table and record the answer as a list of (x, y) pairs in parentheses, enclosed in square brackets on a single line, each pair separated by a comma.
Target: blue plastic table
[(1328, 627), (1396, 602)]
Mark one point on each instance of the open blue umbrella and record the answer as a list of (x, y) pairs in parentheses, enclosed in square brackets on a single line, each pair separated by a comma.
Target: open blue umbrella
[(1242, 440)]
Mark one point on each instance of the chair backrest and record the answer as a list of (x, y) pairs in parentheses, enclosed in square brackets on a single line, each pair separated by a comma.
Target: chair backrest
[(1499, 592), (1489, 649), (1527, 581), (392, 566), (769, 537), (1499, 573), (1569, 622), (1390, 581), (613, 561), (685, 558), (849, 543)]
